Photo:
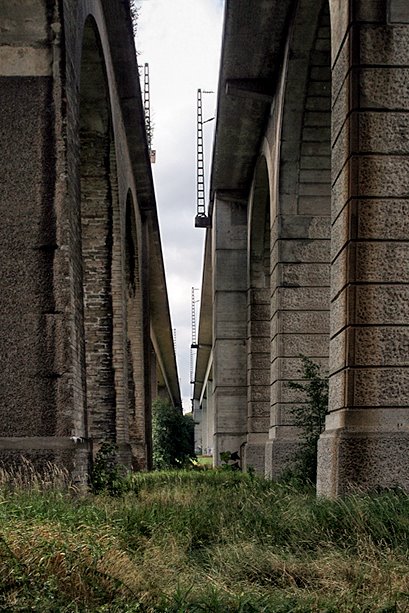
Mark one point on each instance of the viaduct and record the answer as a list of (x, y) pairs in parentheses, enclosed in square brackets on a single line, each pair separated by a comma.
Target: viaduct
[(306, 243), (85, 334), (306, 247)]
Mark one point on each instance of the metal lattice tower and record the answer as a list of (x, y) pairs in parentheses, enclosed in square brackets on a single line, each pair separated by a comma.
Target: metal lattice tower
[(194, 334), (147, 104), (201, 204), (201, 219), (147, 110)]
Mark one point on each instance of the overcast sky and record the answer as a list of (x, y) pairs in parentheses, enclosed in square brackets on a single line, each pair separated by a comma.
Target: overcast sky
[(180, 39)]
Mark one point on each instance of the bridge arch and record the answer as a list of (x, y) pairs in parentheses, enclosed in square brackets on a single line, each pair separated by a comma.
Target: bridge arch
[(258, 319), (99, 214), (139, 431), (300, 240)]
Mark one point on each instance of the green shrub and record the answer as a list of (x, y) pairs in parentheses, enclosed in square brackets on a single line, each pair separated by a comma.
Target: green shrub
[(173, 436), (108, 476), (310, 418), (229, 460)]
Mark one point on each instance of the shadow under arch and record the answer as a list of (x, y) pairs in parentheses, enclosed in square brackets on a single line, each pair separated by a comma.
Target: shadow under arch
[(301, 239), (139, 420), (99, 207), (258, 321)]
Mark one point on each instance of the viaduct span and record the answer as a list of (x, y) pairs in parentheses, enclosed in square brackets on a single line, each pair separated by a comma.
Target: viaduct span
[(85, 334), (307, 246)]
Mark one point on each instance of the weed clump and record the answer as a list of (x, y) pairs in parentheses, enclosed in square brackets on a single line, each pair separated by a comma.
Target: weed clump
[(107, 475), (309, 417)]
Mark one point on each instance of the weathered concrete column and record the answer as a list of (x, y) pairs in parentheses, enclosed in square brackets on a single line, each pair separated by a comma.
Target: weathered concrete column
[(42, 403), (258, 322), (135, 340), (366, 441), (210, 418), (154, 375), (229, 333), (203, 416), (198, 419), (28, 316), (300, 228), (204, 425)]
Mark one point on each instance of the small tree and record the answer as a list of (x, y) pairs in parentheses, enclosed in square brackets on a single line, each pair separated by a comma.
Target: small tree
[(310, 418), (173, 436), (107, 475)]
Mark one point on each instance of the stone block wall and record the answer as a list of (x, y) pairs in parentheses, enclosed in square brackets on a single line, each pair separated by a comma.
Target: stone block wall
[(366, 441), (332, 76), (300, 234), (74, 290), (258, 321), (230, 329), (37, 384)]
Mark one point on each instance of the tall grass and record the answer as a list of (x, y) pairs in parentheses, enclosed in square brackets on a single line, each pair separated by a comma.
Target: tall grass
[(202, 541)]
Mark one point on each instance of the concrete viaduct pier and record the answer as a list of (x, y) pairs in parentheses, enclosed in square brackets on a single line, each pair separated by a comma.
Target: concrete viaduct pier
[(307, 246), (85, 333)]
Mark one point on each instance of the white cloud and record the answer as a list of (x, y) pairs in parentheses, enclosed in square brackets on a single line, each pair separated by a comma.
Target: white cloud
[(180, 39)]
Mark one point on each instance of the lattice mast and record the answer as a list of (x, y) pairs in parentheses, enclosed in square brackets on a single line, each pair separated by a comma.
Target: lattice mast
[(200, 199), (193, 345), (201, 219), (147, 111)]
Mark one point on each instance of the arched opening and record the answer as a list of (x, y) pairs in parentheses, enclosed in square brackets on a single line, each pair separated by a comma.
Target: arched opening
[(135, 341), (258, 321), (301, 240), (98, 186)]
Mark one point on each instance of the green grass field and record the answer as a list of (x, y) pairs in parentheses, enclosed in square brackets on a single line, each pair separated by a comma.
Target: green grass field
[(210, 541), (205, 460)]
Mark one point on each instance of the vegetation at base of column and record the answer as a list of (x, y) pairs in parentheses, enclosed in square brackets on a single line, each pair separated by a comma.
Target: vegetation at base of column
[(309, 417), (173, 437), (108, 476), (229, 460)]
